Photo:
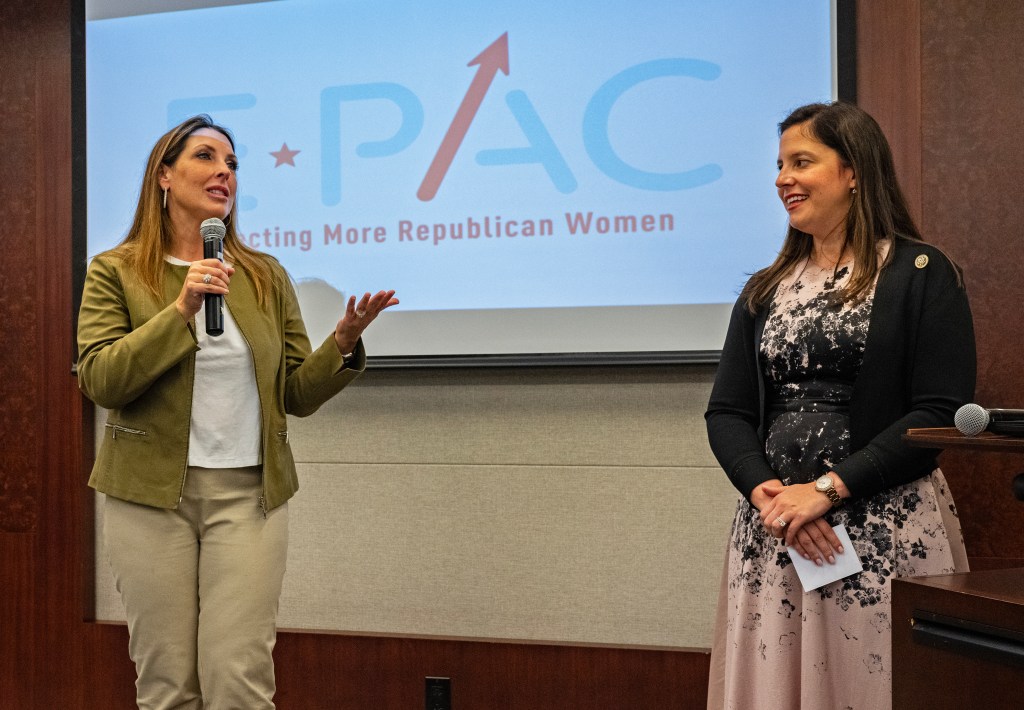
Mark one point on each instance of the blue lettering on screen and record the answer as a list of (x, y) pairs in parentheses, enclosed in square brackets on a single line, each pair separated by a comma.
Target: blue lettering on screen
[(595, 126), (331, 100), (542, 148)]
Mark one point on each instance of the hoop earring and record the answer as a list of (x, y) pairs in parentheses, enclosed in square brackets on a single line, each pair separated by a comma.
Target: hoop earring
[(165, 198)]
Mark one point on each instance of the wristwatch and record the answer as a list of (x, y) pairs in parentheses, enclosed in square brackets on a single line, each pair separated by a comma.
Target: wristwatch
[(347, 360), (826, 485)]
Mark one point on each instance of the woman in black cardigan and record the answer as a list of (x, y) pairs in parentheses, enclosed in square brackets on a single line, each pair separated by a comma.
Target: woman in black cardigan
[(857, 332)]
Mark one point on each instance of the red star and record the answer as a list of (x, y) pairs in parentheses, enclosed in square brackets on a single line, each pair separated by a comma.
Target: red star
[(284, 156)]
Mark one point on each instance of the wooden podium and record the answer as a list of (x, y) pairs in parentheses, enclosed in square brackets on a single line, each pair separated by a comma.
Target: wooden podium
[(958, 639)]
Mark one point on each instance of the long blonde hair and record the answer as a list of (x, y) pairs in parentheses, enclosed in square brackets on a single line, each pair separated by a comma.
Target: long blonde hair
[(878, 209), (149, 237)]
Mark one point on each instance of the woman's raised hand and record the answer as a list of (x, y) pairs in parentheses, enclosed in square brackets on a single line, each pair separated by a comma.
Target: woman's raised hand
[(358, 316)]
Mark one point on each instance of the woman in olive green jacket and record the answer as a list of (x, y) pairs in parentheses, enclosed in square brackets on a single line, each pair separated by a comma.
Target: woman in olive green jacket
[(195, 461)]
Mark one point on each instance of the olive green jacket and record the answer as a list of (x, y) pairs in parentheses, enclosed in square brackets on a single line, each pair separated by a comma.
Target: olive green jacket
[(137, 359)]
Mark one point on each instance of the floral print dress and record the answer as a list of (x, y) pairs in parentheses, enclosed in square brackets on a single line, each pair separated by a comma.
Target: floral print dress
[(776, 646)]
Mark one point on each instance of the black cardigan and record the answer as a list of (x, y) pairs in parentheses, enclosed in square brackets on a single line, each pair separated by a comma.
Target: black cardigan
[(918, 369)]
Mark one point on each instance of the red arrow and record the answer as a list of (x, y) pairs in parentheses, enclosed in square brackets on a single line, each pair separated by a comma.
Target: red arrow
[(492, 59)]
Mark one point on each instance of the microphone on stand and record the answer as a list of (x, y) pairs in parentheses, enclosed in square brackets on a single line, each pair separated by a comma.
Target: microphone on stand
[(213, 232), (971, 420)]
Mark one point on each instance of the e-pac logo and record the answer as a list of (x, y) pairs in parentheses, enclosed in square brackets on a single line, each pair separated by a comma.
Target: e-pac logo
[(541, 148)]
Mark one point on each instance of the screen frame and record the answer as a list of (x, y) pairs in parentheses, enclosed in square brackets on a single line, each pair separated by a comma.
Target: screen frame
[(844, 88)]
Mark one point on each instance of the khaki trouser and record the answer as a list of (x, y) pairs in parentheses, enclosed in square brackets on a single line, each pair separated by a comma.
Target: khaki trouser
[(200, 587)]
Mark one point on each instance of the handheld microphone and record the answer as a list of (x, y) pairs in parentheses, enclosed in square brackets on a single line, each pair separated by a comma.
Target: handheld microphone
[(971, 420), (213, 232)]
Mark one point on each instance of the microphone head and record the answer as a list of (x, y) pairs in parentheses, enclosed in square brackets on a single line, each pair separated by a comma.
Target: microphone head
[(971, 419), (212, 228)]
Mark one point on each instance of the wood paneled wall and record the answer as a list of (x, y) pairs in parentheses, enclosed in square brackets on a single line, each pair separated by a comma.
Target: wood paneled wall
[(42, 650), (938, 76), (972, 166), (947, 94)]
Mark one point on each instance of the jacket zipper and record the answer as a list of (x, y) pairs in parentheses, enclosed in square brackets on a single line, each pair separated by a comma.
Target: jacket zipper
[(188, 439), (262, 501)]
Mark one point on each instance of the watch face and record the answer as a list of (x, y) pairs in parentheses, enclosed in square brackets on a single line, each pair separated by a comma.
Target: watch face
[(823, 483)]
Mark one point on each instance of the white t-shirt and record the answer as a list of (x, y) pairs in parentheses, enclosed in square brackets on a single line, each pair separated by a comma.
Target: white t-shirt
[(226, 428)]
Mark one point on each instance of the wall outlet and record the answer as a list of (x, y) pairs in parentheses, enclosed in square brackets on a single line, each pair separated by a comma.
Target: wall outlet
[(439, 693)]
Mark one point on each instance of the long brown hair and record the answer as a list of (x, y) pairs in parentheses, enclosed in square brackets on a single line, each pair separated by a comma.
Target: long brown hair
[(878, 209), (149, 237)]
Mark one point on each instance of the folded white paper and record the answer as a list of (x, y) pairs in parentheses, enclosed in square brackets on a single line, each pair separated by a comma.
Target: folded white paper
[(812, 576)]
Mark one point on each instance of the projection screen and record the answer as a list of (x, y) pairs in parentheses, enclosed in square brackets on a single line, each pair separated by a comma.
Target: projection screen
[(536, 179)]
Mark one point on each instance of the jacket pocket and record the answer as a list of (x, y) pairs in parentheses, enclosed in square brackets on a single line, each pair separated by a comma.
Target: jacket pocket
[(118, 429)]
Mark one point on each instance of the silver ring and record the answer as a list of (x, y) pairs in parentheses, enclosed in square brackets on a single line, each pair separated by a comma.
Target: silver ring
[(207, 278), (780, 522), (360, 314)]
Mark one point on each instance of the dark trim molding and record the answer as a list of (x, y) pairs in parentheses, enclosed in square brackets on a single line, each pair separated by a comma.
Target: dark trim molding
[(846, 50)]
